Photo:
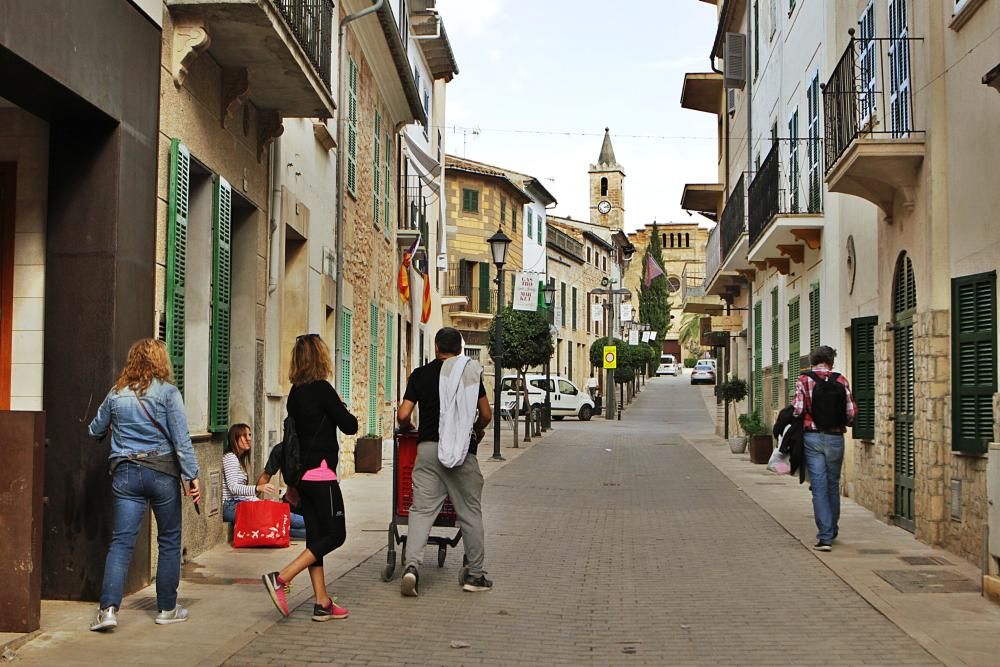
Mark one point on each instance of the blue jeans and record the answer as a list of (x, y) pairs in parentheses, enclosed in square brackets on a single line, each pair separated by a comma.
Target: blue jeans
[(133, 486), (297, 527), (824, 458)]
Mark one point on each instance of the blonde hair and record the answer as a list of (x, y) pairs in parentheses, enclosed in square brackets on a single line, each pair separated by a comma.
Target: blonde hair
[(310, 360), (147, 360)]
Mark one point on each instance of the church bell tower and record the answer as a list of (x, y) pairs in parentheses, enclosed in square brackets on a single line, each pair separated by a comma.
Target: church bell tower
[(607, 188)]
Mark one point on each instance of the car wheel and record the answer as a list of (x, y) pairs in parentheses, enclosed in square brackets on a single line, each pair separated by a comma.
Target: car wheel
[(585, 413)]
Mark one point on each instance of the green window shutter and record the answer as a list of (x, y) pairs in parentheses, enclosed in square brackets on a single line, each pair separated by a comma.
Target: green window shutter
[(793, 160), (814, 320), (385, 187), (562, 304), (390, 330), (794, 354), (538, 226), (974, 361), (373, 356), (178, 200), (574, 309), (218, 402), (513, 219), (758, 354), (484, 287), (346, 318), (775, 364), (529, 221), (863, 375), (377, 171), (352, 126)]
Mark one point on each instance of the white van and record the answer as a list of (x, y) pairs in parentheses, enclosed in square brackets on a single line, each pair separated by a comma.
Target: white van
[(567, 400), (668, 365)]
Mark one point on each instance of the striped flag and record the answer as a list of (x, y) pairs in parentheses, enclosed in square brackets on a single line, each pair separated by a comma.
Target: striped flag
[(425, 308)]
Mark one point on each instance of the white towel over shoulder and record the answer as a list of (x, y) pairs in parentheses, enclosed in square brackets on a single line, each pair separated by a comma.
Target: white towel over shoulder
[(458, 391)]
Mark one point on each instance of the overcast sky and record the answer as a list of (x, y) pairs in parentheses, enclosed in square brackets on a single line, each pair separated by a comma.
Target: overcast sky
[(533, 70)]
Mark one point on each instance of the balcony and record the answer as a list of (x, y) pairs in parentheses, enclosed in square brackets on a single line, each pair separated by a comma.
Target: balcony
[(694, 299), (703, 198), (873, 149), (560, 240), (785, 217), (412, 223), (276, 53), (732, 245), (476, 300), (703, 92)]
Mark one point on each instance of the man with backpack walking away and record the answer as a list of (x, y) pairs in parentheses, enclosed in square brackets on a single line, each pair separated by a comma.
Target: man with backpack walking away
[(823, 399)]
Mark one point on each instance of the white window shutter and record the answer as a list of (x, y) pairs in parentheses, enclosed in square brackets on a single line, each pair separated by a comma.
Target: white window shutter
[(731, 102), (735, 67)]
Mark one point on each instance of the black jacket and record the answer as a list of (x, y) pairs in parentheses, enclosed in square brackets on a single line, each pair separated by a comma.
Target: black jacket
[(792, 440)]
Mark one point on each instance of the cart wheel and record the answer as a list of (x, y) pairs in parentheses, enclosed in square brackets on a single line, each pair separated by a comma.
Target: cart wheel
[(390, 567), (442, 554)]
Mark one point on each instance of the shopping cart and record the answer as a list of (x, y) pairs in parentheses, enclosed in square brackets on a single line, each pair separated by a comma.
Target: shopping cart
[(404, 455)]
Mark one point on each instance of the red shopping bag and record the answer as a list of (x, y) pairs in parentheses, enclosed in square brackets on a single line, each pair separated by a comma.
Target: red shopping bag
[(263, 523)]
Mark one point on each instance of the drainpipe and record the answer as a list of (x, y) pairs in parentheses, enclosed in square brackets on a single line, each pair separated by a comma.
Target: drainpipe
[(341, 133), (272, 284)]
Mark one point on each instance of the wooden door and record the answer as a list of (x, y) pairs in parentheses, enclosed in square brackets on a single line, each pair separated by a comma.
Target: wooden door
[(904, 301)]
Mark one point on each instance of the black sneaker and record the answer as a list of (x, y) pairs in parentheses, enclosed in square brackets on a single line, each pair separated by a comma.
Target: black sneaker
[(409, 584), (823, 546), (478, 584)]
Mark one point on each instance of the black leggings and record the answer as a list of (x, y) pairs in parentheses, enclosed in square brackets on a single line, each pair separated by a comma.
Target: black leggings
[(322, 507)]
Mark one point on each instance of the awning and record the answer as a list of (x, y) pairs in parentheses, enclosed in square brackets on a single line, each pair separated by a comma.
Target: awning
[(428, 169)]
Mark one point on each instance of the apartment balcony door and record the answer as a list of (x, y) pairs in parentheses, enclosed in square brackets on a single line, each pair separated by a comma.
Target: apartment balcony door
[(904, 304)]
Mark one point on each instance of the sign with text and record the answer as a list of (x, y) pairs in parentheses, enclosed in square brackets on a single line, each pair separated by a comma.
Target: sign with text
[(596, 312), (626, 312), (633, 337), (526, 291), (645, 336), (652, 335), (611, 356)]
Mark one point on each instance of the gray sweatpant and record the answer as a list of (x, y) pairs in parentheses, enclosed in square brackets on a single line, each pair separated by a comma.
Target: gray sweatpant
[(432, 483)]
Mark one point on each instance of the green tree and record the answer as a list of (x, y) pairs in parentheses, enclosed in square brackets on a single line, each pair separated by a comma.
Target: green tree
[(654, 301), (527, 342)]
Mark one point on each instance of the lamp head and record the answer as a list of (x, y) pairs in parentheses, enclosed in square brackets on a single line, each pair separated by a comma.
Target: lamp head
[(498, 247)]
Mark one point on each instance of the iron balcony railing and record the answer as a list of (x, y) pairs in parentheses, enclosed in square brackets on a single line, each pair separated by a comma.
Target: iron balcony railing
[(713, 256), (480, 299), (418, 198), (870, 94), (311, 21), (733, 222), (693, 280), (785, 187)]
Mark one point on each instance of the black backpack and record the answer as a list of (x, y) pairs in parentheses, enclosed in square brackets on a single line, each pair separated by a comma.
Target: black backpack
[(828, 405)]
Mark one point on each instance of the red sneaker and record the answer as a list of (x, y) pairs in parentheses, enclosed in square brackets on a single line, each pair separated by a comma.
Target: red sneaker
[(330, 612), (278, 591)]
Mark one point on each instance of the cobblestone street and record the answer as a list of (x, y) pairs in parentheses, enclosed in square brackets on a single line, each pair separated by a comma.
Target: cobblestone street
[(609, 543)]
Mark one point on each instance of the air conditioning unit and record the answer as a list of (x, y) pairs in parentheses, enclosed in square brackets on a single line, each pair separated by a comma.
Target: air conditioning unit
[(731, 101), (735, 60)]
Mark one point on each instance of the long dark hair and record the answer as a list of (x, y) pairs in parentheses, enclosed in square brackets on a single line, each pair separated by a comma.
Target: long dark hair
[(237, 431)]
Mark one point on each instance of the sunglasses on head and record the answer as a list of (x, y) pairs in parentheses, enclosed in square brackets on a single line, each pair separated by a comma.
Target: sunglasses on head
[(304, 336)]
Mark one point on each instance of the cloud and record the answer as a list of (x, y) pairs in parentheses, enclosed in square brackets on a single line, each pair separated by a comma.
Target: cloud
[(468, 17)]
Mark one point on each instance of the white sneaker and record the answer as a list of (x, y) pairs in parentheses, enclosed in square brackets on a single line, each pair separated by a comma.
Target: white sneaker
[(106, 619), (176, 615)]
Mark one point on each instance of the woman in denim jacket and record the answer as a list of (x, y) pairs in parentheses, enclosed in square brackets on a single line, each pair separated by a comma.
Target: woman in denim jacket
[(150, 451)]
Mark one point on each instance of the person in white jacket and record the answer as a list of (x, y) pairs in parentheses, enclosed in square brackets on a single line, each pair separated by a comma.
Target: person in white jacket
[(448, 391)]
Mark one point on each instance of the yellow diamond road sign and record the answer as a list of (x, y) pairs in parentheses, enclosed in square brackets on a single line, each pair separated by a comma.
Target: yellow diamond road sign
[(611, 356)]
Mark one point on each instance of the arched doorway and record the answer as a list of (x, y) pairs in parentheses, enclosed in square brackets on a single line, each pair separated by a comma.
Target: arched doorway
[(904, 304)]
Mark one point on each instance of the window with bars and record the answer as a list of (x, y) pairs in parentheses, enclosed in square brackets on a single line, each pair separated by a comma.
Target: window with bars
[(814, 317), (793, 161), (758, 353), (794, 352), (815, 176), (974, 361), (863, 375), (352, 126), (775, 362), (470, 200), (373, 359), (346, 317)]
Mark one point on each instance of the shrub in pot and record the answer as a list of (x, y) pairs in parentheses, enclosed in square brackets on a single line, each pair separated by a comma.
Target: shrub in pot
[(759, 435)]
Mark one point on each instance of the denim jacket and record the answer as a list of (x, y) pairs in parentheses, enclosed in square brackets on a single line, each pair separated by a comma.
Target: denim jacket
[(133, 433)]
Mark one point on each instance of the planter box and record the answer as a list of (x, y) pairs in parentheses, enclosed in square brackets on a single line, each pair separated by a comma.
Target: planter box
[(737, 444), (761, 447), (368, 455)]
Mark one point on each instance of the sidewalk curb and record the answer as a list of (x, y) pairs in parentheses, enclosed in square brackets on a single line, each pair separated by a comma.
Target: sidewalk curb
[(19, 641), (948, 655)]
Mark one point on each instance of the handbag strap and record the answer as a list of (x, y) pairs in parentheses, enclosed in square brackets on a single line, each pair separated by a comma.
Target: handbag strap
[(157, 424)]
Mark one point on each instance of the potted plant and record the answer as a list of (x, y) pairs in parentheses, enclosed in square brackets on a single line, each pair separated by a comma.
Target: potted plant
[(733, 390), (368, 453), (759, 435)]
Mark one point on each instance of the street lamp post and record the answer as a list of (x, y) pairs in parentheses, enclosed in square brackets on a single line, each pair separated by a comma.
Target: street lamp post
[(498, 251), (549, 293)]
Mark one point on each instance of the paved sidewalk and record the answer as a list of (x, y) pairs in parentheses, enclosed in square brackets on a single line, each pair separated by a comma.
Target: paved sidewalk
[(222, 589), (609, 544), (958, 628)]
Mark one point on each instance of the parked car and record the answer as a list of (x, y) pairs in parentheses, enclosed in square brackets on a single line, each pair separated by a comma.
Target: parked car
[(704, 372), (567, 400), (668, 366)]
